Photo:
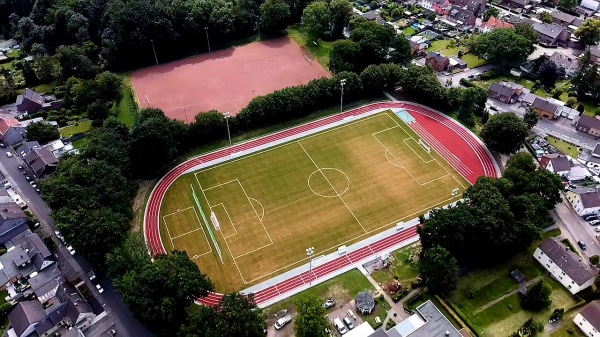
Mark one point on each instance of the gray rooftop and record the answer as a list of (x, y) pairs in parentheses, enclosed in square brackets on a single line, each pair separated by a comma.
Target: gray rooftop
[(564, 61), (588, 122), (562, 16), (578, 271), (503, 89), (548, 29), (436, 324), (591, 312), (544, 105), (24, 314)]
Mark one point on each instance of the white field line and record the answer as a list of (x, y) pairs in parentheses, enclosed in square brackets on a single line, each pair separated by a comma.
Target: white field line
[(189, 232), (186, 233), (261, 206), (230, 221), (257, 216), (332, 188), (418, 155)]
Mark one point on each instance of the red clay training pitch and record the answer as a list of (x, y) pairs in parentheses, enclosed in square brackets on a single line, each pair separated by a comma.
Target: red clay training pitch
[(225, 80)]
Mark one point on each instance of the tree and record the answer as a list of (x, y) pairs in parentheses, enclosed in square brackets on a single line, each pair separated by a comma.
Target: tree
[(504, 133), (527, 32), (531, 118), (373, 79), (440, 269), (548, 73), (503, 47), (274, 17), (42, 132), (236, 315), (374, 41), (538, 297), (492, 11), (568, 3), (545, 17), (401, 52), (312, 318), (343, 56), (131, 254), (341, 12), (153, 144), (159, 293), (316, 19), (594, 259), (589, 32)]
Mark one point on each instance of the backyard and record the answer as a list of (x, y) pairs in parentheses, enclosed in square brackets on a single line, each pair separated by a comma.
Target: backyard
[(448, 49), (403, 267), (564, 147), (489, 300), (320, 51)]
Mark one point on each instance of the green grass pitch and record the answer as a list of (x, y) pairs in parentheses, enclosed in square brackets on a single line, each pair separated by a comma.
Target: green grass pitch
[(329, 189)]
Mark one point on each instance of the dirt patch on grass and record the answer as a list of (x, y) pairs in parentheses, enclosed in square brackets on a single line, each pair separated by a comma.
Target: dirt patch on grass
[(139, 203), (339, 293)]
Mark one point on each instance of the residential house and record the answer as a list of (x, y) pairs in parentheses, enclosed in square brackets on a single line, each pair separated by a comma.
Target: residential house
[(588, 125), (588, 7), (25, 123), (371, 15), (556, 163), (505, 92), (493, 23), (552, 34), (41, 161), (569, 64), (427, 321), (11, 131), (475, 6), (562, 18), (59, 148), (437, 61), (456, 64), (518, 5), (585, 201), (569, 113), (26, 254), (461, 16), (565, 266), (26, 147), (441, 7), (57, 315), (12, 218), (418, 45), (544, 107), (31, 102), (588, 319)]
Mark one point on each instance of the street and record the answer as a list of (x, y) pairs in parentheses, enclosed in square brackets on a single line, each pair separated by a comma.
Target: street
[(71, 266), (574, 228)]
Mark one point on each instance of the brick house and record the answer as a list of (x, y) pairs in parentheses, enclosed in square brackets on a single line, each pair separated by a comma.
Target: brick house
[(437, 61), (11, 131), (544, 107), (493, 23), (505, 92), (588, 125), (552, 34)]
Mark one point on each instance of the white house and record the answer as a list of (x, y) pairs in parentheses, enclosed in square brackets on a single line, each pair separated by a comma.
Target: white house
[(565, 266), (588, 319), (585, 201), (578, 173), (556, 163)]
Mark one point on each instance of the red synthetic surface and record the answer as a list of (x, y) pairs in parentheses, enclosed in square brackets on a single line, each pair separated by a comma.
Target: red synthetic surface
[(461, 149), (224, 80)]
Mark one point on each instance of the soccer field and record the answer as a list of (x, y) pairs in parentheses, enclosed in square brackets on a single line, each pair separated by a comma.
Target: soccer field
[(328, 189)]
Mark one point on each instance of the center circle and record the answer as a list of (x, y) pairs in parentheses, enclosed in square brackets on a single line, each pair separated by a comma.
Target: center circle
[(328, 182)]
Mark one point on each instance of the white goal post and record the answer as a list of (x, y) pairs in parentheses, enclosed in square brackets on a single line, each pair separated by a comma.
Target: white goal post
[(427, 148), (215, 221)]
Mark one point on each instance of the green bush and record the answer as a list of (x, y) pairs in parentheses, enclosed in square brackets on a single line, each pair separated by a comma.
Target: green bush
[(594, 259), (467, 83), (487, 75)]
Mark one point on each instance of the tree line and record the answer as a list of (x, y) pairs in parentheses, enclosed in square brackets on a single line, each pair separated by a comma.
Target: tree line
[(125, 31), (497, 218)]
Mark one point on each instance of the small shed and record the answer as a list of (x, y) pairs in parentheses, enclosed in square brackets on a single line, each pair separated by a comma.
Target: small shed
[(365, 302)]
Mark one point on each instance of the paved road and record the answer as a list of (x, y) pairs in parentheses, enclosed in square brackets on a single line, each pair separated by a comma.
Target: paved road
[(71, 266), (574, 228), (464, 74)]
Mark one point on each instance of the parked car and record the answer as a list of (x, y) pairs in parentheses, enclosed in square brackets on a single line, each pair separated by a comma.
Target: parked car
[(348, 323), (20, 167), (597, 229), (27, 178), (329, 303), (33, 185), (8, 154), (100, 289), (591, 217), (594, 222), (60, 236), (2, 145), (582, 245), (37, 190), (70, 249)]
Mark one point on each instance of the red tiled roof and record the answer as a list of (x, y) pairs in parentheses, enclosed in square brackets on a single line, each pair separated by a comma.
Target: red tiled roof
[(6, 123), (494, 23)]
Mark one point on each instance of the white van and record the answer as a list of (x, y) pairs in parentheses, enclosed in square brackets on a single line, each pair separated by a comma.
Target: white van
[(339, 325)]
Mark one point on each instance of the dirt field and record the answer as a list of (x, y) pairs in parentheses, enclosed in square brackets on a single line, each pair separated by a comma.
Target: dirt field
[(225, 80)]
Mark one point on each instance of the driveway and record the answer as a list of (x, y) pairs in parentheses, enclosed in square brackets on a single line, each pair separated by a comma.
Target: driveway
[(70, 266)]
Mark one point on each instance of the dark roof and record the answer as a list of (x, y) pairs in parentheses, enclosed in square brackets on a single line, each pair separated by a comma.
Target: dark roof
[(597, 149), (520, 2), (588, 122), (39, 159), (460, 14), (24, 314), (591, 312), (502, 89), (371, 15), (439, 58), (544, 105), (569, 262), (548, 29), (435, 324), (562, 16), (378, 333), (459, 61), (590, 199), (564, 61), (27, 146), (560, 163)]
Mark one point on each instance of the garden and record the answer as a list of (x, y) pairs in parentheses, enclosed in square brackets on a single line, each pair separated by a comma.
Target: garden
[(450, 48)]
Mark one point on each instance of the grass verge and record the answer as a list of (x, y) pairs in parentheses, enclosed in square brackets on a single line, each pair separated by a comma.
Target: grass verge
[(320, 51), (79, 127)]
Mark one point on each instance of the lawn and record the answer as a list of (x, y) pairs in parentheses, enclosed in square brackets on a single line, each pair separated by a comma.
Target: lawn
[(310, 192), (473, 61), (409, 31), (126, 107), (79, 127), (321, 51), (482, 286), (342, 288), (564, 147), (404, 266), (45, 88)]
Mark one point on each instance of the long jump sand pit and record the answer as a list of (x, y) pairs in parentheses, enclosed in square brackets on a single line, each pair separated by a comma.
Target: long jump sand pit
[(225, 80)]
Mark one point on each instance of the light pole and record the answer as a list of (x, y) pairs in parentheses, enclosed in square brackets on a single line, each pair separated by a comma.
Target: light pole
[(342, 82), (154, 50), (227, 115), (185, 113), (207, 39), (253, 95), (309, 252)]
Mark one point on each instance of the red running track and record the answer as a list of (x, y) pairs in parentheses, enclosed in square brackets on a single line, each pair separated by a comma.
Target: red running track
[(462, 150)]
